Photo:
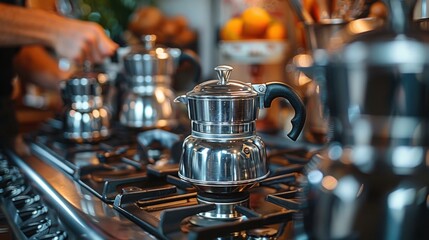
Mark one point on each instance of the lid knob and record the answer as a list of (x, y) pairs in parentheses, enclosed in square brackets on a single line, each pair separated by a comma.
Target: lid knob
[(223, 73), (149, 41)]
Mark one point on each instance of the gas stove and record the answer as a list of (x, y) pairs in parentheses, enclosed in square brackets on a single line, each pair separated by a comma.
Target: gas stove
[(127, 187)]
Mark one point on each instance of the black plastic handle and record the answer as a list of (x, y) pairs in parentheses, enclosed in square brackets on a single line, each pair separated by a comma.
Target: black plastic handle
[(191, 57), (277, 89), (65, 94)]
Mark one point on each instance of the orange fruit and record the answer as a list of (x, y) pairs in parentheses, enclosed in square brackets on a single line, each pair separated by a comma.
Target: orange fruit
[(232, 30), (255, 22), (275, 31), (378, 10)]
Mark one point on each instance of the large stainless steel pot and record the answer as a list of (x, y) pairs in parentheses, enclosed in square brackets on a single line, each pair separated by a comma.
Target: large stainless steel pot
[(372, 182), (376, 87), (223, 154)]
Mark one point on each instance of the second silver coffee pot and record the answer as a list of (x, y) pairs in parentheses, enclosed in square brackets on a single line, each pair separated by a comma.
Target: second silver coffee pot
[(148, 99), (85, 118), (223, 154)]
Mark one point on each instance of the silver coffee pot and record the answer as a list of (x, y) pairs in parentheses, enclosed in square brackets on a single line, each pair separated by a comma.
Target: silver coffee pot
[(223, 154), (85, 118), (148, 100)]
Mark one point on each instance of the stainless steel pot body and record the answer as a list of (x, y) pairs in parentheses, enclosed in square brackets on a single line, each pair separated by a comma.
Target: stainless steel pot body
[(223, 116), (222, 165), (91, 126), (85, 119), (148, 103), (160, 61), (217, 110), (223, 154)]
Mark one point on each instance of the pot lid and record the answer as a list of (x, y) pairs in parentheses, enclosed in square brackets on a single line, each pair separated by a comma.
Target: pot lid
[(223, 87), (149, 59), (146, 52)]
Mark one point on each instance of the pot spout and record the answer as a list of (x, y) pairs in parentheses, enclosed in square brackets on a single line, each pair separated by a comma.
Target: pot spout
[(182, 99)]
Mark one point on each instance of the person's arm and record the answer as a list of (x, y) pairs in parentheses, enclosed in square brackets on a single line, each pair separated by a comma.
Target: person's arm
[(34, 64), (69, 38)]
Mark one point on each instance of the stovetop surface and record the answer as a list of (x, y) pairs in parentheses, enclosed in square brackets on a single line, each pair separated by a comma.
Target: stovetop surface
[(135, 172)]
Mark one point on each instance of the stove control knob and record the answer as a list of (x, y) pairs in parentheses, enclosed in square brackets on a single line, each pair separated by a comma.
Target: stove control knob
[(33, 228), (3, 162), (262, 234), (32, 212), (9, 170), (10, 179), (5, 180), (4, 170), (24, 201), (9, 176), (58, 235), (14, 190)]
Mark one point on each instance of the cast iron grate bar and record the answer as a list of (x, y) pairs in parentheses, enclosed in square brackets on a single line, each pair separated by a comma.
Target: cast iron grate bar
[(85, 170), (289, 169), (131, 197), (247, 212), (151, 202), (166, 170), (139, 166), (89, 169), (178, 182), (72, 151), (111, 185), (284, 178), (286, 200), (112, 155), (229, 228), (170, 219)]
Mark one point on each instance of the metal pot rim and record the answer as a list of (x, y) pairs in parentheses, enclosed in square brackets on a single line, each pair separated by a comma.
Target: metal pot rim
[(222, 183), (221, 97)]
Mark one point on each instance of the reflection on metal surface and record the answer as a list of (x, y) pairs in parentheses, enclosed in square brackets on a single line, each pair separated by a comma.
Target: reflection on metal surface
[(329, 183)]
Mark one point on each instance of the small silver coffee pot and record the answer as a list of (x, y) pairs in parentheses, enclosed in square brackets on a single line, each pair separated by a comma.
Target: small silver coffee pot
[(223, 154), (148, 100), (85, 119)]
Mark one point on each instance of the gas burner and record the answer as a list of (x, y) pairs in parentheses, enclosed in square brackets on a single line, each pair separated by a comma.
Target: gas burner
[(201, 221), (159, 146), (112, 171), (225, 207), (188, 225)]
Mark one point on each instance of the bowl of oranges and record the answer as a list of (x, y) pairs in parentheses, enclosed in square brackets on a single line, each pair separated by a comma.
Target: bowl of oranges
[(254, 37)]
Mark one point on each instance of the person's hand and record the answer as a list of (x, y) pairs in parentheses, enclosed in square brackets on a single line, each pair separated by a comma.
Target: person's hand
[(81, 41), (71, 39)]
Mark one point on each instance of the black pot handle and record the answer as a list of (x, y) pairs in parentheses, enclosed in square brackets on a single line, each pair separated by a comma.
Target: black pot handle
[(191, 57), (65, 93), (276, 89)]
